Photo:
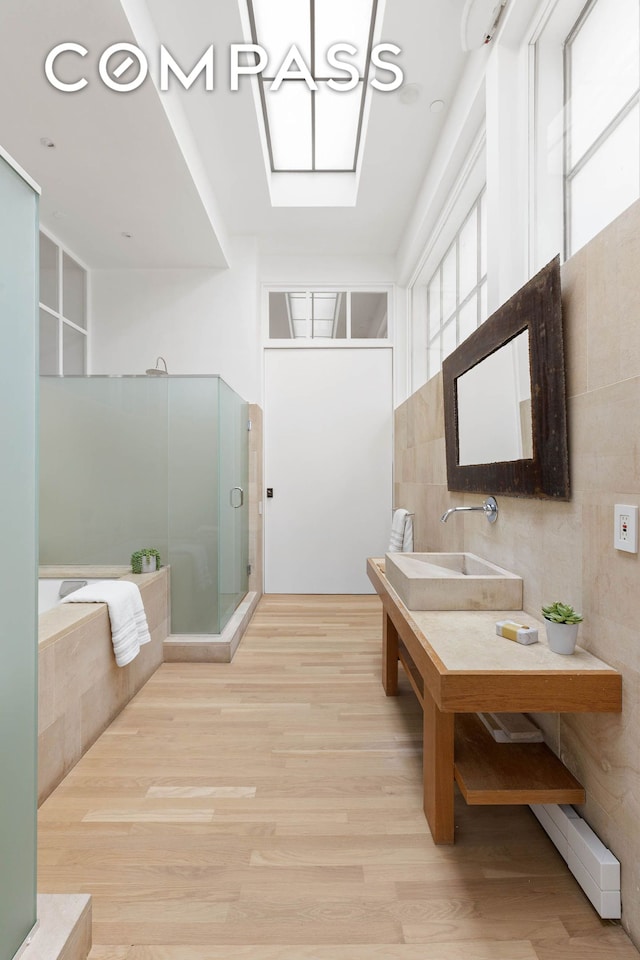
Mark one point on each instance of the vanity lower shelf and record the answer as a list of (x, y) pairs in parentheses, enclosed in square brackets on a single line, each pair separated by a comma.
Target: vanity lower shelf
[(488, 772), (503, 773)]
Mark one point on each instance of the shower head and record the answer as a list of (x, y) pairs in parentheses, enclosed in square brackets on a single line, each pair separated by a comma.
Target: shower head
[(157, 371)]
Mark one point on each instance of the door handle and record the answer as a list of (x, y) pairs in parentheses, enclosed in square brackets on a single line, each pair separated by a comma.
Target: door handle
[(236, 506)]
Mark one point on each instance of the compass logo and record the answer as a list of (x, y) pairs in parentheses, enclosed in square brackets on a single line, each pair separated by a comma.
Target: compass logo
[(124, 67)]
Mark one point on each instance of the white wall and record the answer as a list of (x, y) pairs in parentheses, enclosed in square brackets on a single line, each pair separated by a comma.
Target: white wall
[(201, 321), (314, 269), (209, 321)]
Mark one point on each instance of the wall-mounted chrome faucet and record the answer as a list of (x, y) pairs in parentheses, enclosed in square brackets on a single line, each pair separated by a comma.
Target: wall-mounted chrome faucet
[(489, 508)]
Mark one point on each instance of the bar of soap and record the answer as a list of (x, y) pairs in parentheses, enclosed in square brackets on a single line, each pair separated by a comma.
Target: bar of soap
[(519, 632)]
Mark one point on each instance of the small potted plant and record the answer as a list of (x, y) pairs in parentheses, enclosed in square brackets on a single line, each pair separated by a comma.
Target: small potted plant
[(146, 560), (562, 627)]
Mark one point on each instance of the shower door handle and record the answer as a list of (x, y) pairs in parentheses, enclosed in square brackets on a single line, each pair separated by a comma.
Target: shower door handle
[(236, 506)]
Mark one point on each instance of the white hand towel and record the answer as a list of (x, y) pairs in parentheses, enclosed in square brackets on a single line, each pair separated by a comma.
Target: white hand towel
[(407, 538), (397, 530), (129, 627)]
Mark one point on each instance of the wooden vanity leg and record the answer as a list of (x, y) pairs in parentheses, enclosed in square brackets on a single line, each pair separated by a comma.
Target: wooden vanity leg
[(389, 656), (438, 770)]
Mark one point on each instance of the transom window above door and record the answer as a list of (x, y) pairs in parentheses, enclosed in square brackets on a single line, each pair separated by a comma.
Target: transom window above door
[(328, 315)]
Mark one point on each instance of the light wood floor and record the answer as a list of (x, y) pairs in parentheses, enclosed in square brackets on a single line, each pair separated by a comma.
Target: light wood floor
[(270, 809)]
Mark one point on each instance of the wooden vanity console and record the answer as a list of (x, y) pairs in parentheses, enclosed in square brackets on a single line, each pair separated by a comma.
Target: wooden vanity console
[(458, 667)]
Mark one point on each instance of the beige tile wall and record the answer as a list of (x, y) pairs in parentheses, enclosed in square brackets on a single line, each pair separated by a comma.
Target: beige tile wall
[(80, 688), (255, 496), (565, 550)]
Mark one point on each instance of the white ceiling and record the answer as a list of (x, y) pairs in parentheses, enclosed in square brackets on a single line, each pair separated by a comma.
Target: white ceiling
[(118, 167)]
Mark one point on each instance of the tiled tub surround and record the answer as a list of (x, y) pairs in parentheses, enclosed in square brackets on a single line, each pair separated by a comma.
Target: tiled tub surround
[(80, 688), (565, 550), (64, 928)]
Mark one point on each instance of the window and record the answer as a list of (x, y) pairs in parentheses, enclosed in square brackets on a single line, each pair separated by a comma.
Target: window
[(602, 96), (327, 315), (63, 312), (457, 291), (309, 130)]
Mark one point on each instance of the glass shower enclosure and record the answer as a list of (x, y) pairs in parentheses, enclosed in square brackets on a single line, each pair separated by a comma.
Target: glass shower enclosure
[(131, 462), (19, 524)]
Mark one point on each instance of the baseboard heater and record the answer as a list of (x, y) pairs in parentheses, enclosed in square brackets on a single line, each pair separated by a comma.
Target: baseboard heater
[(592, 864)]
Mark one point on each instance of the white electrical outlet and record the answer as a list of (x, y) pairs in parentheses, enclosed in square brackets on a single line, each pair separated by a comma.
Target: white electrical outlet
[(625, 527)]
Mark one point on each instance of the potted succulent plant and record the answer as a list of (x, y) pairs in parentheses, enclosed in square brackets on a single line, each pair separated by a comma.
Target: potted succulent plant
[(145, 561), (562, 627)]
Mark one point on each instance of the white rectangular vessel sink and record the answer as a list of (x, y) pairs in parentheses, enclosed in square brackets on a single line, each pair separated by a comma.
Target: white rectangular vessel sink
[(452, 581)]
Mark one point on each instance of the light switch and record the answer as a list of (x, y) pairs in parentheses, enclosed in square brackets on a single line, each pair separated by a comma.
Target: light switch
[(625, 529)]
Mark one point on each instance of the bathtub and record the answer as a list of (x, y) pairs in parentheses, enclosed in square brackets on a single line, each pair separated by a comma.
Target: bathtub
[(49, 590), (80, 688)]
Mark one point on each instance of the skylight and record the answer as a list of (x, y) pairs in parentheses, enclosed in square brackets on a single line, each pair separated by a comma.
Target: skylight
[(313, 130)]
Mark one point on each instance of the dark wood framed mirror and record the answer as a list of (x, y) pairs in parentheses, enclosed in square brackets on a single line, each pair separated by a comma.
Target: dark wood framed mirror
[(505, 398)]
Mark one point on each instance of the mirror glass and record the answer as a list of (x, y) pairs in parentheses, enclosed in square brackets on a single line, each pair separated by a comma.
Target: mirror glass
[(494, 406)]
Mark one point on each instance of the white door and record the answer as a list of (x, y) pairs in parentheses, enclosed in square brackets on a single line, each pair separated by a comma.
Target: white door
[(328, 460)]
